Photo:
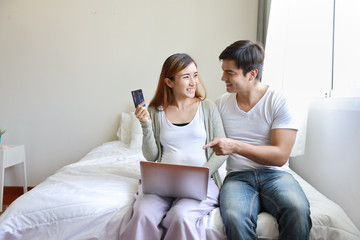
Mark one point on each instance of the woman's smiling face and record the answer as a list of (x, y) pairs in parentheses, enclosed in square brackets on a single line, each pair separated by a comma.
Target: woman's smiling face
[(185, 82)]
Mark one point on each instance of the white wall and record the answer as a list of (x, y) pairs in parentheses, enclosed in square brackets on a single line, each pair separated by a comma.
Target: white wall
[(331, 161), (67, 67)]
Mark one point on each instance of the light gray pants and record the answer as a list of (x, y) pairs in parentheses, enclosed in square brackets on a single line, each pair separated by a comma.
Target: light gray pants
[(153, 217)]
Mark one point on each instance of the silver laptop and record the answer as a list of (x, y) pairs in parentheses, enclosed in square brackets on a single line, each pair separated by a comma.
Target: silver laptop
[(172, 180)]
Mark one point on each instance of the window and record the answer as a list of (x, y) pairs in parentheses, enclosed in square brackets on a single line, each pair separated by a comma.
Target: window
[(346, 79), (312, 47)]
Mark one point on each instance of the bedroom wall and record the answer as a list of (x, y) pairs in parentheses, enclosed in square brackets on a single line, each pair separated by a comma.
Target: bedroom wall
[(331, 161), (67, 67)]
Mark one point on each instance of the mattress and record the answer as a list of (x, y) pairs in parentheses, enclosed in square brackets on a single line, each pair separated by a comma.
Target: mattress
[(89, 198)]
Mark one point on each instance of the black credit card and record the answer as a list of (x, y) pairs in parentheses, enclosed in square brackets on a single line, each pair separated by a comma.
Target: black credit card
[(138, 97)]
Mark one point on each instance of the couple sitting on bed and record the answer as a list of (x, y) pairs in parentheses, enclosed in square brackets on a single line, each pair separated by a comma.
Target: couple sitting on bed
[(260, 134)]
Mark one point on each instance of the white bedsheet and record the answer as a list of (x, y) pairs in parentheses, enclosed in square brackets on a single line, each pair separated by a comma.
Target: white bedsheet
[(87, 200)]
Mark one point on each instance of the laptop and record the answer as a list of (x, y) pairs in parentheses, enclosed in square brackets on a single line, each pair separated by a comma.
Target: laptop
[(173, 180)]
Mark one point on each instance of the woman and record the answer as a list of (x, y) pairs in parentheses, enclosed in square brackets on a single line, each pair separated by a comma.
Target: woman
[(176, 126)]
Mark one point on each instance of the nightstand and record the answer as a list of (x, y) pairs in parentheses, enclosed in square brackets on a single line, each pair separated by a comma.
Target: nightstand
[(12, 155)]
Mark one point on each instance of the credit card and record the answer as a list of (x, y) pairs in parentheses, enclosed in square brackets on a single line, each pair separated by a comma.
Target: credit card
[(138, 97)]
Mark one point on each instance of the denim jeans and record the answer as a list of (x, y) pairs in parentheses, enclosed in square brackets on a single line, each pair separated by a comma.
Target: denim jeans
[(244, 194)]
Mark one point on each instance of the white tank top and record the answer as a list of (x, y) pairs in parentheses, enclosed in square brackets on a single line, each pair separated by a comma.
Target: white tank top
[(183, 144)]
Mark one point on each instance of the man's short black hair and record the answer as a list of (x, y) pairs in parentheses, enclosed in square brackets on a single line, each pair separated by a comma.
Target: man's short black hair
[(247, 55)]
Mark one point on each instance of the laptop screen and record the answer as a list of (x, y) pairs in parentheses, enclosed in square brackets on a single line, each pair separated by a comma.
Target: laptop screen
[(173, 180)]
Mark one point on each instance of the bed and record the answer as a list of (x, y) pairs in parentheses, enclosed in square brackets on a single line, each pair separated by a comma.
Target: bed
[(89, 198)]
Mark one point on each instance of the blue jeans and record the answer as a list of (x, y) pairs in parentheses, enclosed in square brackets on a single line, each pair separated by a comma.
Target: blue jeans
[(244, 194)]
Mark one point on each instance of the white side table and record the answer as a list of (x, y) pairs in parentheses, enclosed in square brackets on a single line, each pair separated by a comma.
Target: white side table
[(11, 156)]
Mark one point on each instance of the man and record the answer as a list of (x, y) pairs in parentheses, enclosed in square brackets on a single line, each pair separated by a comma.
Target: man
[(260, 135)]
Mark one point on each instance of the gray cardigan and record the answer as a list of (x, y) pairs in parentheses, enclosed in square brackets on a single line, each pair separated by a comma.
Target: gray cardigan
[(152, 149)]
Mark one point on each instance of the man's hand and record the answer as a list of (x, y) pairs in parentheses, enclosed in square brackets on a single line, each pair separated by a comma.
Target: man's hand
[(221, 146)]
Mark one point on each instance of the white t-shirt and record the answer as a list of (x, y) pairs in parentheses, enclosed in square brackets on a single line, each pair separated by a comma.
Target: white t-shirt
[(254, 126), (183, 144)]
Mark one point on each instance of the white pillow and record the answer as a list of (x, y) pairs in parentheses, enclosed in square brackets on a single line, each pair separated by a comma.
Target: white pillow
[(130, 131), (124, 131), (136, 132)]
